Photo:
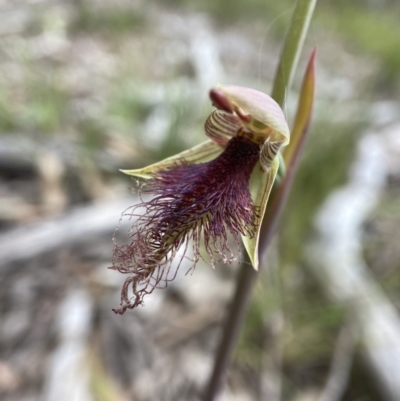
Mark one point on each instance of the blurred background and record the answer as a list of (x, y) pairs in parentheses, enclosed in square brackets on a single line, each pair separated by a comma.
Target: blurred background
[(91, 86)]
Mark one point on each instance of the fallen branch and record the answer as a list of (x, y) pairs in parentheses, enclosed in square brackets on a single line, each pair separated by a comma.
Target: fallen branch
[(82, 223)]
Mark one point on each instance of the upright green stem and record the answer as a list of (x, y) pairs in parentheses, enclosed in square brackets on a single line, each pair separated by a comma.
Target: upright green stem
[(291, 49), (247, 278)]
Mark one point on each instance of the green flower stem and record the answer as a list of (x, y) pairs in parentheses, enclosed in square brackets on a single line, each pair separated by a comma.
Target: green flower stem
[(290, 57), (292, 49), (247, 277)]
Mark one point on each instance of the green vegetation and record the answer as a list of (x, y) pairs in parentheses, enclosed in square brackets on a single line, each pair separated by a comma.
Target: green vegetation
[(370, 30), (46, 104), (111, 20)]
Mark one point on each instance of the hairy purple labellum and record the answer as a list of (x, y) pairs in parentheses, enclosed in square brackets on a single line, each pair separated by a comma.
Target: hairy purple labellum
[(198, 204)]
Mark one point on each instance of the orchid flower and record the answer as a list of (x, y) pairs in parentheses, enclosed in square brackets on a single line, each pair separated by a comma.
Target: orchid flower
[(204, 196)]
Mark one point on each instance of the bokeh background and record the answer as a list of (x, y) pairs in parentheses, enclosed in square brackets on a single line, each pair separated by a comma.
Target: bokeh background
[(88, 87)]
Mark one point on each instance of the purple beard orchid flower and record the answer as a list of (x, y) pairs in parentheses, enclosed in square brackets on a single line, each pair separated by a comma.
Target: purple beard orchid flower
[(203, 196)]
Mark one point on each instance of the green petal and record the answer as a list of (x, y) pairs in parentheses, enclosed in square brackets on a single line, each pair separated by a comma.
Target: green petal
[(260, 187), (204, 152)]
